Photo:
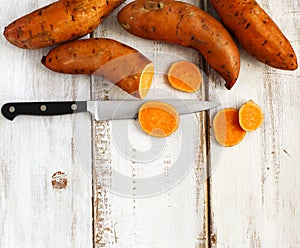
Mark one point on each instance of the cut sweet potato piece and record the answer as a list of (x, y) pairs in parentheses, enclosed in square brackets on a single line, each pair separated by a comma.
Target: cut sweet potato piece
[(122, 65), (185, 76), (250, 116), (158, 119), (227, 129)]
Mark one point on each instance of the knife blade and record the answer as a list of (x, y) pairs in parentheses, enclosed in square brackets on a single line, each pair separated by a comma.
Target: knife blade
[(100, 110)]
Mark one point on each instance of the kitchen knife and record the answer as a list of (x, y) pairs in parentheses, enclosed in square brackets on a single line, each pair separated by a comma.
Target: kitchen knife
[(100, 110)]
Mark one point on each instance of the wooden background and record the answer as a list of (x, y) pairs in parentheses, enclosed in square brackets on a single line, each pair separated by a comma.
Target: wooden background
[(52, 196)]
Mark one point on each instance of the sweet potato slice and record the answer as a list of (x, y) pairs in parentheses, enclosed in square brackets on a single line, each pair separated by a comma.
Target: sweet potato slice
[(158, 119), (185, 76), (227, 129), (117, 62), (250, 116)]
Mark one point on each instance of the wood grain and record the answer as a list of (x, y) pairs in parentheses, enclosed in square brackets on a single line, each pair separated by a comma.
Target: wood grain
[(34, 212), (250, 200), (253, 197), (174, 218)]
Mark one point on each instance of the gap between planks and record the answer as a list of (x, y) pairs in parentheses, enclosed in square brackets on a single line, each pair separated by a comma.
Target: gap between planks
[(93, 163), (203, 4)]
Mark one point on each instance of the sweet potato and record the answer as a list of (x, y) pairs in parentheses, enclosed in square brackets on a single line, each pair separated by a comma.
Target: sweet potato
[(58, 22), (158, 119), (184, 24), (117, 62), (185, 76), (257, 32), (227, 129), (250, 116)]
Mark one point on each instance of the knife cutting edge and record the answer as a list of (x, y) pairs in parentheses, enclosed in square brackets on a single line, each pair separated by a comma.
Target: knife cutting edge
[(100, 110)]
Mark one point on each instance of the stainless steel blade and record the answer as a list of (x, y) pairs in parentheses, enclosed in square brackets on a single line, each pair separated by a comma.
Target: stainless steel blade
[(119, 109)]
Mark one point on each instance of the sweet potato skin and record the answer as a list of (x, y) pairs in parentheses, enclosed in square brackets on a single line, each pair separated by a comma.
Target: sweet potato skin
[(184, 24), (58, 22), (115, 61), (257, 32)]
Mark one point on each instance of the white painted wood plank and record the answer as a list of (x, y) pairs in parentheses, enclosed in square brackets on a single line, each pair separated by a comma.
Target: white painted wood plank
[(175, 218), (255, 188), (33, 212)]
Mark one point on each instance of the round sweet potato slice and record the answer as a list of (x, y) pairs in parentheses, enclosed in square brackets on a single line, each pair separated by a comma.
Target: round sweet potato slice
[(158, 119), (227, 129), (250, 116), (185, 76)]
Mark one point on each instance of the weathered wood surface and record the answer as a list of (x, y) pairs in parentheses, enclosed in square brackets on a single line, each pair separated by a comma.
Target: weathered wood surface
[(174, 218), (251, 199), (37, 209), (254, 191)]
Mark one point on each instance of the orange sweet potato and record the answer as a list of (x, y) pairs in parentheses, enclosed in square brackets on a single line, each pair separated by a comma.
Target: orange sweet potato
[(257, 32), (117, 62), (227, 129), (58, 22), (185, 76), (158, 119), (250, 116), (184, 24)]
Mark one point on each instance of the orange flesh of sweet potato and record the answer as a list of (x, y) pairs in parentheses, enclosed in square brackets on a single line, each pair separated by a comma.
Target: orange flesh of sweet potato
[(58, 22), (117, 62), (257, 32), (185, 76), (184, 24), (227, 129), (250, 116), (158, 119)]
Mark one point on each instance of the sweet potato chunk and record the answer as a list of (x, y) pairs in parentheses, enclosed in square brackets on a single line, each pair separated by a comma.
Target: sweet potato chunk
[(122, 65)]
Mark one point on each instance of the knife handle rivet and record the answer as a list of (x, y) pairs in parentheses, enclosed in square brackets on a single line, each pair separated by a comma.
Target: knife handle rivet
[(74, 107), (11, 109), (43, 108)]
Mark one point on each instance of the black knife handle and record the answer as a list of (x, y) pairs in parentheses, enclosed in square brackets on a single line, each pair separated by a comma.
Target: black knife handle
[(13, 109)]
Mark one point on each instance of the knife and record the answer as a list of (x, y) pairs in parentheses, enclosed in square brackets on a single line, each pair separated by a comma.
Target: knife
[(100, 110)]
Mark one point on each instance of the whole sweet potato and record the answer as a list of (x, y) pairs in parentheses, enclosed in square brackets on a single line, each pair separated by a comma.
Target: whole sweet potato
[(58, 22), (184, 24), (257, 32), (108, 58)]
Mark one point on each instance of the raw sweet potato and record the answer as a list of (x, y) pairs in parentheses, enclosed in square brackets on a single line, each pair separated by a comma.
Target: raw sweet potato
[(227, 129), (257, 32), (158, 119), (185, 76), (184, 24), (59, 22), (250, 116), (117, 62)]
